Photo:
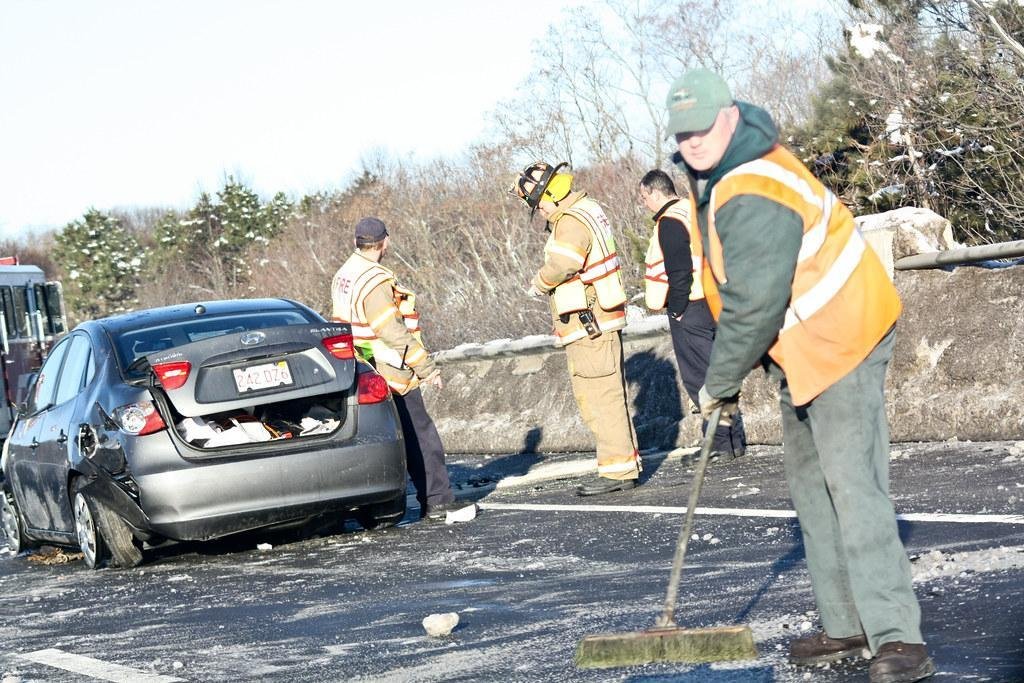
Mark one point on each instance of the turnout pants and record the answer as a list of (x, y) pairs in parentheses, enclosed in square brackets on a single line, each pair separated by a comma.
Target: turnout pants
[(424, 453), (692, 338), (837, 465), (598, 384)]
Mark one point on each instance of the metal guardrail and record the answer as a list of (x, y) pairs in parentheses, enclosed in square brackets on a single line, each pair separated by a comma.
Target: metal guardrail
[(956, 257), (655, 325), (651, 326)]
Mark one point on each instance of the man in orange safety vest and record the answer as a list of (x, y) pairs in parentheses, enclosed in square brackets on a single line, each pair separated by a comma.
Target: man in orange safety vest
[(795, 288)]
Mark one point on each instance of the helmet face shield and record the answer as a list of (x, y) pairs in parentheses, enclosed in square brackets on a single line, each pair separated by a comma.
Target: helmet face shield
[(533, 182)]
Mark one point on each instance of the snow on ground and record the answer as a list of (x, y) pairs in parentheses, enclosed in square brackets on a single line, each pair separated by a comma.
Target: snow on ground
[(937, 564)]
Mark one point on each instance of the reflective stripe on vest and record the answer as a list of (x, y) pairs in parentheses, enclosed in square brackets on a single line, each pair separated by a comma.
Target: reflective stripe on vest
[(601, 265), (406, 301), (655, 276), (603, 268), (842, 301)]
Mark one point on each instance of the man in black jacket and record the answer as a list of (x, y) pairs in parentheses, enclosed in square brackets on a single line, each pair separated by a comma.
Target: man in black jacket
[(672, 262)]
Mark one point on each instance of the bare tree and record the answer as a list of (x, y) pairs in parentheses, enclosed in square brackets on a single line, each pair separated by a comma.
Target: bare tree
[(597, 94)]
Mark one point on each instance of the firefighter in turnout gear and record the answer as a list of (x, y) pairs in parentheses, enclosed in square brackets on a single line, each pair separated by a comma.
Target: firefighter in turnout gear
[(386, 332), (795, 287), (581, 277), (672, 281)]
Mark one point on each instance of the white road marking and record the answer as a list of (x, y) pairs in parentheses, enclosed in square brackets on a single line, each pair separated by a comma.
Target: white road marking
[(744, 512), (95, 668)]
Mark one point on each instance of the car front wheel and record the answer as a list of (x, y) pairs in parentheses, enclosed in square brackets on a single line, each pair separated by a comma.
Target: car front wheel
[(89, 540), (102, 534), (10, 521)]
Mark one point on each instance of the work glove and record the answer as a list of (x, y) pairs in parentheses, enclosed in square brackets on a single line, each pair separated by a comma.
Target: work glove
[(708, 403)]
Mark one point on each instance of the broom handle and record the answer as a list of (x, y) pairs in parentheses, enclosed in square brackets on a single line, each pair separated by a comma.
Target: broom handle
[(666, 619)]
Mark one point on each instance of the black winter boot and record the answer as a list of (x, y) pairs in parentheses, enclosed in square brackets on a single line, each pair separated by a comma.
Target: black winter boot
[(605, 485)]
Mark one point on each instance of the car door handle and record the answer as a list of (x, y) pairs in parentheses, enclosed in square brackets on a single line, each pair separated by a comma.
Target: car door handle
[(63, 438)]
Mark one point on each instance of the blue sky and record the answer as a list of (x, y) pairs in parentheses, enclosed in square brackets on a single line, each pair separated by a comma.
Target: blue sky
[(109, 103)]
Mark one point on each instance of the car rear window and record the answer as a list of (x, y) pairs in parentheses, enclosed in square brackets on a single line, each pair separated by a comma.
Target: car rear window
[(135, 344)]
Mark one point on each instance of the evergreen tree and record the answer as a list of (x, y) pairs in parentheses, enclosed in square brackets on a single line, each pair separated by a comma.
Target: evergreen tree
[(924, 110), (102, 262), (215, 235)]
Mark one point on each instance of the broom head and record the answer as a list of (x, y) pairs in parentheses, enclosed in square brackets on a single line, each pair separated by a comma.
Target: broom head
[(696, 645)]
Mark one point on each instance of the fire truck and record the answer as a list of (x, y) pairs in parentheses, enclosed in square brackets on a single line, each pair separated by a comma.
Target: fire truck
[(32, 318)]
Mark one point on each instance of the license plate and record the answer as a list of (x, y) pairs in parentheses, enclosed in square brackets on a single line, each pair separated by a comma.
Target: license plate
[(263, 376)]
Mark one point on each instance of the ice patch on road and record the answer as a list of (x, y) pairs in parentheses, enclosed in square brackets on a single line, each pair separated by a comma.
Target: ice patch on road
[(937, 564), (549, 471), (533, 563)]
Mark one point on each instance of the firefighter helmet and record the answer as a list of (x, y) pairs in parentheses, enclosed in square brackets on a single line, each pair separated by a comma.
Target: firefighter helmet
[(544, 178)]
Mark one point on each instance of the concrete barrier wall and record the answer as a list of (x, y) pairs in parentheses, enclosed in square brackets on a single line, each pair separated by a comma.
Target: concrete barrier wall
[(957, 373)]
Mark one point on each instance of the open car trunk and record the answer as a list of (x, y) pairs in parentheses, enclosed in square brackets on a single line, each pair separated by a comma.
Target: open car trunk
[(295, 419), (256, 386)]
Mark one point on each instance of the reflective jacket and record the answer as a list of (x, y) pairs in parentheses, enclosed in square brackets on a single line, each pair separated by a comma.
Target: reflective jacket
[(581, 269), (385, 324), (841, 301), (655, 277)]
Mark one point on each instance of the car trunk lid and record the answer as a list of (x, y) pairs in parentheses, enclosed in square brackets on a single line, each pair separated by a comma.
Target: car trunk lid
[(251, 368)]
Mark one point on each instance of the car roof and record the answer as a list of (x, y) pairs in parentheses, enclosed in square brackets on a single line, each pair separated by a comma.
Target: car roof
[(181, 312)]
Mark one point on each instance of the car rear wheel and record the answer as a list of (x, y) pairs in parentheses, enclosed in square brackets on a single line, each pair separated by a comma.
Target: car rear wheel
[(10, 521), (382, 515), (102, 534)]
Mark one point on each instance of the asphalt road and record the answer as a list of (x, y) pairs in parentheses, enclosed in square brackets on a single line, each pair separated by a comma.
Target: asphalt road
[(534, 573)]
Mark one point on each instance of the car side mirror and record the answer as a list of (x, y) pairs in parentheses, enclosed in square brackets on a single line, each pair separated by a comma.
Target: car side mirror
[(24, 388)]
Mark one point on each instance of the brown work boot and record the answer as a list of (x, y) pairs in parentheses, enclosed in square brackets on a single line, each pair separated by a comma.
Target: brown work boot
[(818, 648), (900, 663)]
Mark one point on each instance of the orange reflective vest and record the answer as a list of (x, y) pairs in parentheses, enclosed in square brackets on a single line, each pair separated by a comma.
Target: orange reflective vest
[(655, 277), (349, 288), (599, 270), (842, 302)]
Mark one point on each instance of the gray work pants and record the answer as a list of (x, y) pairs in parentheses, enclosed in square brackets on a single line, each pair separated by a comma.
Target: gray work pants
[(837, 465)]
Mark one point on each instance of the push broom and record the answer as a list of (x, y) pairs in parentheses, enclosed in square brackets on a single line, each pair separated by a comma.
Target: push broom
[(666, 642)]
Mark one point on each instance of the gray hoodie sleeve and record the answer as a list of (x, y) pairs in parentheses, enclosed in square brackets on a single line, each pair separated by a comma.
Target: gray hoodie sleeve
[(760, 243)]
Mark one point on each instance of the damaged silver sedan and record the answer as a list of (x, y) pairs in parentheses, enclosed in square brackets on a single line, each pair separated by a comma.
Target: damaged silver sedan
[(197, 421)]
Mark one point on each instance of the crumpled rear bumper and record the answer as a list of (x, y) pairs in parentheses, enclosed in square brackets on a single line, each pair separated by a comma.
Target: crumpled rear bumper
[(200, 499)]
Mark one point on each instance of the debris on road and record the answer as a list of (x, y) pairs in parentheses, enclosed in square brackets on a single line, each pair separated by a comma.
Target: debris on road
[(50, 555), (465, 514), (264, 546), (440, 625)]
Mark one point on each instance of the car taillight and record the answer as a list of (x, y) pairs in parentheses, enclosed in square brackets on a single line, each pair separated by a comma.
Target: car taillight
[(139, 418), (340, 347), (172, 375), (372, 388)]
